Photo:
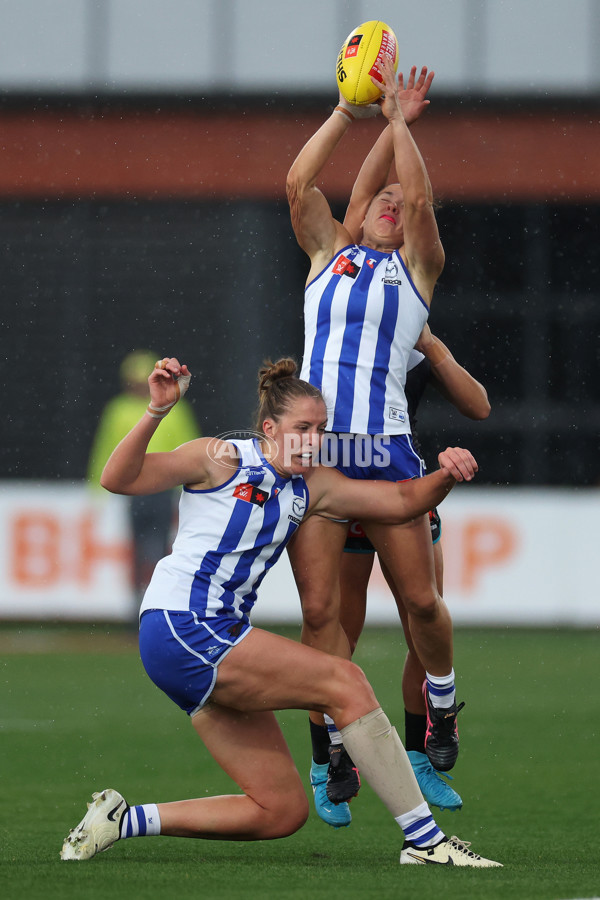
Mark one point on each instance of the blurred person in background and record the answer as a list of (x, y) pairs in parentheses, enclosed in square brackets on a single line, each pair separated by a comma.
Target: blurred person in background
[(151, 517)]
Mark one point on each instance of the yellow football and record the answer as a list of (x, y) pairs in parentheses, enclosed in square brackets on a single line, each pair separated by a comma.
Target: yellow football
[(359, 58)]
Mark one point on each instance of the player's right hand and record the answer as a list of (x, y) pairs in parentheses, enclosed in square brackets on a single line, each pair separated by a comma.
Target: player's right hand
[(168, 381), (413, 97), (459, 463), (389, 101)]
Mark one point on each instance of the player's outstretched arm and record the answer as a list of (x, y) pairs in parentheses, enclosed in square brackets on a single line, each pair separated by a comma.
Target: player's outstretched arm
[(422, 245), (317, 232), (391, 503), (130, 469), (375, 171), (452, 380)]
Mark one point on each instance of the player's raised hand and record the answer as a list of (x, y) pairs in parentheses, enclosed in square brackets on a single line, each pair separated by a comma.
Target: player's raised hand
[(168, 381), (413, 97), (459, 463), (389, 101)]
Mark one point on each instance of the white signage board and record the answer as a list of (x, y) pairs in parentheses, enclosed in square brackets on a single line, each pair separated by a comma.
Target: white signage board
[(512, 556)]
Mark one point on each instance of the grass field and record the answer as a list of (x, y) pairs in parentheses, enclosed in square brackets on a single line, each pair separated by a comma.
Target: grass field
[(78, 714)]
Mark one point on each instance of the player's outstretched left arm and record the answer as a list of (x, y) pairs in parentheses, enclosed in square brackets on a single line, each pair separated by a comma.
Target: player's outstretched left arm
[(335, 496), (375, 171), (452, 380), (422, 246)]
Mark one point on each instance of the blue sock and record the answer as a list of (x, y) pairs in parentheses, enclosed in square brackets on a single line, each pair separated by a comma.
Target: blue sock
[(441, 690), (140, 821)]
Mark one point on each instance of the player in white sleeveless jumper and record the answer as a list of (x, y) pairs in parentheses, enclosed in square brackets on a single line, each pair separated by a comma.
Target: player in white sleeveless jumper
[(368, 293), (242, 501)]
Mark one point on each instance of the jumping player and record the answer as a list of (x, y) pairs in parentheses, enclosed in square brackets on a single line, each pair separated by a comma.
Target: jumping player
[(366, 303)]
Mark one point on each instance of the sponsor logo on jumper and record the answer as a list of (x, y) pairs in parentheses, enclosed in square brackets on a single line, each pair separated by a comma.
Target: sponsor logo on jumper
[(391, 273), (371, 263), (299, 506), (345, 266), (251, 494), (254, 472), (397, 414), (298, 510)]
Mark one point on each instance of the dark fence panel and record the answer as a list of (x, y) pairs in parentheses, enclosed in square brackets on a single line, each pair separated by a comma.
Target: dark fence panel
[(220, 285)]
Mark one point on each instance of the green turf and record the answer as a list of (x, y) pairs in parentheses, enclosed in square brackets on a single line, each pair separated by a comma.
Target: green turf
[(84, 716)]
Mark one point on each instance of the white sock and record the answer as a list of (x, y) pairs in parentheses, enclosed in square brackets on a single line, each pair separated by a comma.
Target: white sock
[(140, 821), (334, 736), (419, 827), (441, 690)]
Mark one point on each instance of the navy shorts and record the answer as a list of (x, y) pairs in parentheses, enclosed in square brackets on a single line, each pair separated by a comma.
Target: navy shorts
[(380, 457), (181, 652)]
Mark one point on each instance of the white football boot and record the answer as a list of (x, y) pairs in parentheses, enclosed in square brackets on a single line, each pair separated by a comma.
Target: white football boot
[(450, 852), (99, 828)]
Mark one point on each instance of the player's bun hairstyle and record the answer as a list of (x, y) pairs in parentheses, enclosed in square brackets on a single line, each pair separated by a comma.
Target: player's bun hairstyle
[(278, 387)]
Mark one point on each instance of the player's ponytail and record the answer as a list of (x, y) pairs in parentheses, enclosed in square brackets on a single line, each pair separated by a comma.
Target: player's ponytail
[(278, 387)]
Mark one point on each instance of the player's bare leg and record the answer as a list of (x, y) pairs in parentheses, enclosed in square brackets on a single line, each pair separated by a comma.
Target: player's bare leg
[(333, 776), (407, 554)]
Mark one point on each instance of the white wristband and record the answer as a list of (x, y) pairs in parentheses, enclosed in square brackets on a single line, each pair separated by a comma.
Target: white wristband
[(182, 383), (159, 412)]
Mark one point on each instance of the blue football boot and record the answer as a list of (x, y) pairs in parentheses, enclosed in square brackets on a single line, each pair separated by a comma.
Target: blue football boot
[(338, 816), (433, 787)]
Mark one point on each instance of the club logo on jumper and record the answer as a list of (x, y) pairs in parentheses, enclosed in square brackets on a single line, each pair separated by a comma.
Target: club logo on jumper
[(397, 414), (251, 494), (345, 266), (212, 650), (352, 48), (298, 510), (391, 273)]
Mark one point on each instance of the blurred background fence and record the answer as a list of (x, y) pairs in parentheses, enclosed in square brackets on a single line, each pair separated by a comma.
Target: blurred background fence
[(144, 148)]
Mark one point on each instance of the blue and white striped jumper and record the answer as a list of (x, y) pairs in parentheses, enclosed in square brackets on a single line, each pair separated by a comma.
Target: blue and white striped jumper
[(228, 538), (363, 316)]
